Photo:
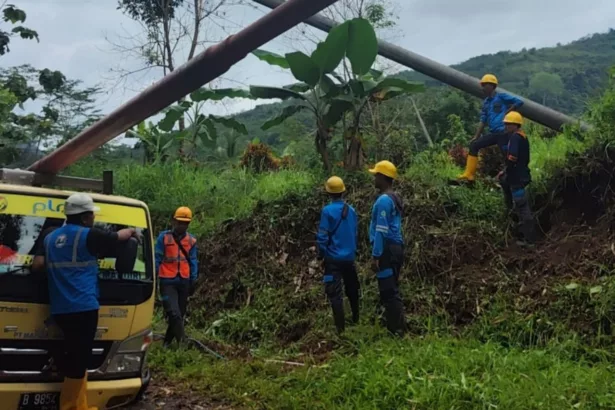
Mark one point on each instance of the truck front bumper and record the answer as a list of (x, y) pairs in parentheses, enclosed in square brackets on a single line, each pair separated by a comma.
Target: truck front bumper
[(103, 394)]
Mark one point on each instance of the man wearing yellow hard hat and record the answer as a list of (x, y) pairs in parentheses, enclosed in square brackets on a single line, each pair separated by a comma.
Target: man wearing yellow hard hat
[(386, 237), (516, 177), (495, 107), (337, 248), (177, 267)]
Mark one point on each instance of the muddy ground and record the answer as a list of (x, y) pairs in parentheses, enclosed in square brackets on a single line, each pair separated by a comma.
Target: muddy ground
[(165, 394)]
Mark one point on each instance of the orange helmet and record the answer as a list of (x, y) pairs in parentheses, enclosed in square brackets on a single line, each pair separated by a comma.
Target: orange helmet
[(183, 214)]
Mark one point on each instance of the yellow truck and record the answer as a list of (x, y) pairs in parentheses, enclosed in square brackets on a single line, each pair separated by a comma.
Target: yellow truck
[(118, 373)]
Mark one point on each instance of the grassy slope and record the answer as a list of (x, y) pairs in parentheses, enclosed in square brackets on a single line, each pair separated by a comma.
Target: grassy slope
[(510, 355), (520, 331)]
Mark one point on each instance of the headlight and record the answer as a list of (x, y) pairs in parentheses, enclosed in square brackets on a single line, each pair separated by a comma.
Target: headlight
[(125, 363), (130, 355)]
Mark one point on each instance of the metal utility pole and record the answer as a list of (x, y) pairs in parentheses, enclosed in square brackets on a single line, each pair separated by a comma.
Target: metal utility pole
[(197, 72), (532, 110)]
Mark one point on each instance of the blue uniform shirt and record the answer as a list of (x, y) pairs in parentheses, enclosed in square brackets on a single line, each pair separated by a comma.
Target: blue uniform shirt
[(72, 271), (495, 108), (385, 225), (159, 256), (342, 246)]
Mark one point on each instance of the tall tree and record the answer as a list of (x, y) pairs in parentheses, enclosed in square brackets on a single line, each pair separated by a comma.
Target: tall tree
[(173, 31), (13, 15), (65, 109)]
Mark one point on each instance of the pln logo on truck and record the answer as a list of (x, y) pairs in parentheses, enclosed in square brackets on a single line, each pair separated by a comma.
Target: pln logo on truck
[(4, 203), (48, 206)]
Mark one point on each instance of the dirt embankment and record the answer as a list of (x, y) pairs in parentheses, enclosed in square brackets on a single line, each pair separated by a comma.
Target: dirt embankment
[(466, 263)]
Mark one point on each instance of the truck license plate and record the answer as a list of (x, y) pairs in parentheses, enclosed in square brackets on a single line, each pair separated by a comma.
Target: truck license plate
[(39, 401)]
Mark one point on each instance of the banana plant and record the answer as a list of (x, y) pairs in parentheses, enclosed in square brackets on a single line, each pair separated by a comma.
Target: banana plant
[(202, 131), (330, 96), (156, 145)]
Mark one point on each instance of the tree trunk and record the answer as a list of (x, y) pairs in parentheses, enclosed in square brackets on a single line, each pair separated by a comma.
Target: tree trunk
[(423, 127), (321, 147)]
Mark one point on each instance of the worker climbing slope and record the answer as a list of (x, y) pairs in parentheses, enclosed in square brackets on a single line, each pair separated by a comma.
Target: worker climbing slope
[(177, 267), (337, 248), (385, 234), (495, 107), (515, 178)]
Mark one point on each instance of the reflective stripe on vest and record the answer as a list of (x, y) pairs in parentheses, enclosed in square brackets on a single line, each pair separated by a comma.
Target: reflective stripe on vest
[(72, 270), (74, 263), (174, 262)]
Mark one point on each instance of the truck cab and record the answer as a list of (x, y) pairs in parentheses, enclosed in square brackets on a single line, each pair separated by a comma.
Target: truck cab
[(118, 372)]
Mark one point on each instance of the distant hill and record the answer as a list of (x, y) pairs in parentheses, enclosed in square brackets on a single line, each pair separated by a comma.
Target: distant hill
[(564, 77), (582, 66)]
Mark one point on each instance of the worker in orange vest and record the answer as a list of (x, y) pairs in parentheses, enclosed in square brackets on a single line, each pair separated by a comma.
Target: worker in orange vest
[(177, 267)]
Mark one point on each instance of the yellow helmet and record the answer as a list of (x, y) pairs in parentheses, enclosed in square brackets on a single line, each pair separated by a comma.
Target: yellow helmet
[(513, 117), (183, 214), (385, 168), (489, 79), (335, 185)]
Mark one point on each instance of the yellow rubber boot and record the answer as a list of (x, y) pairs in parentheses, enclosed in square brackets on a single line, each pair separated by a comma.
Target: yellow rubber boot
[(69, 394), (73, 395), (82, 400), (470, 172)]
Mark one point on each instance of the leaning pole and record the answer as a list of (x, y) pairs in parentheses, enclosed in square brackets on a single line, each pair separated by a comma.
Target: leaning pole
[(531, 109), (203, 68)]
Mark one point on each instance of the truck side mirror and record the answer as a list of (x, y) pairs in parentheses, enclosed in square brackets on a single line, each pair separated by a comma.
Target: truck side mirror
[(126, 256)]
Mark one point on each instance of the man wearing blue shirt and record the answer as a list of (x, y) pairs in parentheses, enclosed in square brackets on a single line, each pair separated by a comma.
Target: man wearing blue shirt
[(495, 107), (178, 269), (337, 248), (386, 237), (70, 254)]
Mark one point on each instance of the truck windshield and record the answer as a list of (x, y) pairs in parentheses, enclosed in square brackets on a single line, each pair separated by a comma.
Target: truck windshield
[(23, 225)]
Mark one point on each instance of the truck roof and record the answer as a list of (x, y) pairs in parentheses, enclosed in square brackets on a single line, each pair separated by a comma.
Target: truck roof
[(30, 190)]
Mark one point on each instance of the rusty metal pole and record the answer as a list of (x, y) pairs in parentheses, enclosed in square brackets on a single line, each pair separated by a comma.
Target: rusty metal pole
[(203, 68), (532, 110)]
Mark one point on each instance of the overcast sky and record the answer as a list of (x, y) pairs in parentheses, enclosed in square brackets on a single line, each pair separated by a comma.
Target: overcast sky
[(74, 33)]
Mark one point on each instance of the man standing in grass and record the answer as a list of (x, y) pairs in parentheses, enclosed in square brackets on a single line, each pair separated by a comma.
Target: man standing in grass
[(385, 234), (177, 267), (516, 177), (337, 248), (495, 107)]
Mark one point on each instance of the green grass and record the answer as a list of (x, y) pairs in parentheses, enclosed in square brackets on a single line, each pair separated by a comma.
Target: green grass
[(383, 373), (214, 195)]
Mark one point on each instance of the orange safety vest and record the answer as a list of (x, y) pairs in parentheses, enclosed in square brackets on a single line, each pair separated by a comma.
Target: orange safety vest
[(174, 261)]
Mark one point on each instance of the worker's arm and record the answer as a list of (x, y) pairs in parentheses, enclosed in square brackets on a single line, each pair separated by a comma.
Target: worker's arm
[(159, 252), (382, 211), (194, 264), (513, 151), (38, 263), (99, 242), (322, 237), (356, 224), (513, 103)]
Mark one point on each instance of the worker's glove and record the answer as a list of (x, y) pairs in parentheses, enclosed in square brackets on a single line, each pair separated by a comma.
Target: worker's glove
[(191, 288)]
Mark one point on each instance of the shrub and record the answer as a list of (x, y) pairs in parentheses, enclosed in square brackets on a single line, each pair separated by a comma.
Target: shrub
[(458, 154), (490, 161), (258, 158)]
